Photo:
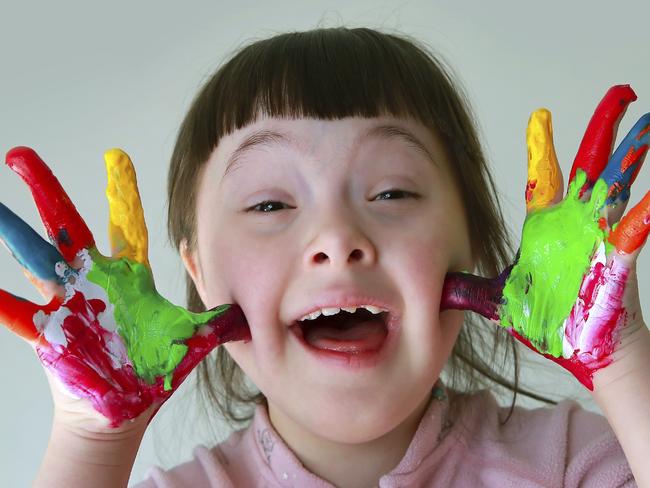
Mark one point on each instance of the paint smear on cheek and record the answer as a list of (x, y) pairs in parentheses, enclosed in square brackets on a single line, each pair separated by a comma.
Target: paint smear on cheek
[(557, 247)]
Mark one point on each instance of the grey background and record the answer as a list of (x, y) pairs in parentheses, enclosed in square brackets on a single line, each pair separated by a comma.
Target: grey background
[(77, 79)]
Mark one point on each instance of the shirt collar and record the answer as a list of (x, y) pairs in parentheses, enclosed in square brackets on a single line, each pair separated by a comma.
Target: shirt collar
[(288, 470)]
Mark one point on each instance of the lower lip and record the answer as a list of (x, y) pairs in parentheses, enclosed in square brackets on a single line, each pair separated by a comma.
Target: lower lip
[(353, 360)]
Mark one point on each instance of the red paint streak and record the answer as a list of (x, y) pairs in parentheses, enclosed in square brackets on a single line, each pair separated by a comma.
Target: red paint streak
[(602, 223), (631, 232), (530, 188), (614, 190), (632, 156), (643, 132), (582, 373), (64, 225), (85, 367), (596, 145)]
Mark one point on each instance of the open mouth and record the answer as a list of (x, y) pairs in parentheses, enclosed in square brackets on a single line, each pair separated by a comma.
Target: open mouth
[(352, 333)]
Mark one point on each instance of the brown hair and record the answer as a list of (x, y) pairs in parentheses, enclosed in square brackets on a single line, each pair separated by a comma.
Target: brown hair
[(331, 73)]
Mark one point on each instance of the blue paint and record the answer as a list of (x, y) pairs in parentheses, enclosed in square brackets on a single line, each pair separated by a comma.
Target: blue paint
[(612, 172), (32, 251)]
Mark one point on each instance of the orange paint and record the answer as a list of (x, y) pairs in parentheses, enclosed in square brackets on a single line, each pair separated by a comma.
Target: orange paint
[(633, 229)]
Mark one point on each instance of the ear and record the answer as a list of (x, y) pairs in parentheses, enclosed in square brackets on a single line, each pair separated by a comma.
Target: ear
[(193, 267)]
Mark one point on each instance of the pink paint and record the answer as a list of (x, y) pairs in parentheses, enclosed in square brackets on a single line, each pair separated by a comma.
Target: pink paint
[(592, 328)]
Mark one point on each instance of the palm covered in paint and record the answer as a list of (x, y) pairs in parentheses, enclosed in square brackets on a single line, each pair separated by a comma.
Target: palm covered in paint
[(106, 335), (572, 293)]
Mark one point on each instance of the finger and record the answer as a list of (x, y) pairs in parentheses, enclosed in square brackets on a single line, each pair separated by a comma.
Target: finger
[(17, 314), (544, 185), (465, 291), (127, 228), (42, 263), (631, 232), (598, 140), (228, 325), (623, 167), (65, 227)]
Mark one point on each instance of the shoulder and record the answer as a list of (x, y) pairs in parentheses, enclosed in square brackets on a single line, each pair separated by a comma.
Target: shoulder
[(564, 445)]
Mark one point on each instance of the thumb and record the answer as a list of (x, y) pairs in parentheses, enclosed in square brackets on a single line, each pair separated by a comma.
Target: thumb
[(465, 291), (219, 325)]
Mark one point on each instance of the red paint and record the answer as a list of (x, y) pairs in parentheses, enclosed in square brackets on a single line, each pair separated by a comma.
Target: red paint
[(581, 372), (614, 190), (86, 369), (602, 223), (530, 188), (65, 227), (633, 155), (643, 132), (596, 146), (593, 325)]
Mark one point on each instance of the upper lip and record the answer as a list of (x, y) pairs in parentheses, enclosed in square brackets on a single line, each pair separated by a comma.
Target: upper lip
[(341, 299)]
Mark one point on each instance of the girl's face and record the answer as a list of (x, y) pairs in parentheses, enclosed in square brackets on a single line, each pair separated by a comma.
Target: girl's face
[(333, 231)]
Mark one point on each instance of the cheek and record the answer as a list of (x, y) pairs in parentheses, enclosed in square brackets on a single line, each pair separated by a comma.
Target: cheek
[(234, 267), (254, 274), (422, 273)]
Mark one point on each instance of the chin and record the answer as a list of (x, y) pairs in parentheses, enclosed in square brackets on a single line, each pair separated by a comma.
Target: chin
[(350, 423)]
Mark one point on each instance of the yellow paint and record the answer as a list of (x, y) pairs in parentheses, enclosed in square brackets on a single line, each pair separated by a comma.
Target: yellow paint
[(127, 229), (544, 174)]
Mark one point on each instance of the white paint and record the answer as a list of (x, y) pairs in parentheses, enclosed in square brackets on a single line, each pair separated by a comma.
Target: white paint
[(585, 334), (51, 325)]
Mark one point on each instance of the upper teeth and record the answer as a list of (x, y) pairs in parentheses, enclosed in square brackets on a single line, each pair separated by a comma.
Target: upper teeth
[(334, 311)]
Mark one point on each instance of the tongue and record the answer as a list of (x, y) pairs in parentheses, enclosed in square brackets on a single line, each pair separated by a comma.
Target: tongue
[(353, 336)]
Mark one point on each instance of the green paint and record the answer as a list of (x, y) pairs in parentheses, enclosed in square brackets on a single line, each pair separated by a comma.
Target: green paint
[(154, 330), (557, 245)]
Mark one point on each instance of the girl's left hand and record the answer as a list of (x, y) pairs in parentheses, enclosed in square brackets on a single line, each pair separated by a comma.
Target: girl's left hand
[(572, 293)]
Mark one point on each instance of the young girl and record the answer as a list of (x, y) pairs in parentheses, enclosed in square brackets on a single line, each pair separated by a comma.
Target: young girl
[(330, 189)]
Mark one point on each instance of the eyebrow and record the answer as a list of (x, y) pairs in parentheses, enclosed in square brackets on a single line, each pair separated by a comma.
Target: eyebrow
[(268, 138)]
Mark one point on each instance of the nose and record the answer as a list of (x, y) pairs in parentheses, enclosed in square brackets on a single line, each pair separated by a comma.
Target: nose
[(340, 243)]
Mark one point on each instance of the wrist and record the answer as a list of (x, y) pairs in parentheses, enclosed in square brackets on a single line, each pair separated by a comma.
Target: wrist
[(78, 456), (111, 446), (622, 391), (629, 367)]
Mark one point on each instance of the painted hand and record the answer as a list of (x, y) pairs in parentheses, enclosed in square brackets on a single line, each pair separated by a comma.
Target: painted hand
[(572, 293), (106, 335)]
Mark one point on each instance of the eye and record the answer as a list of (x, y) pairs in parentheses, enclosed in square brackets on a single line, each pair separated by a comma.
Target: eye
[(266, 206), (397, 194)]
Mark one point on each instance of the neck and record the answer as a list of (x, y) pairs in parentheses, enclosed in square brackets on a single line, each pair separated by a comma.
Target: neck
[(349, 465)]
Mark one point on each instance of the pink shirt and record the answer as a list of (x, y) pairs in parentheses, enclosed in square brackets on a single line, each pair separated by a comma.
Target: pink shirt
[(563, 446)]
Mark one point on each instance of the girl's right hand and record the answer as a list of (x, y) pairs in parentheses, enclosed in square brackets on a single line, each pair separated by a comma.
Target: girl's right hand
[(113, 348)]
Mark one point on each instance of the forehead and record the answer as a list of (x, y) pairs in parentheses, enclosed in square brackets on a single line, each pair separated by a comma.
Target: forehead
[(309, 136)]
